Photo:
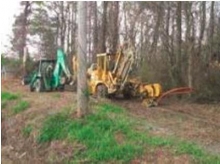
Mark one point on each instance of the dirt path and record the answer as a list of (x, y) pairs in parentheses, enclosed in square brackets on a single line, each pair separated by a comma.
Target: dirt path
[(195, 122)]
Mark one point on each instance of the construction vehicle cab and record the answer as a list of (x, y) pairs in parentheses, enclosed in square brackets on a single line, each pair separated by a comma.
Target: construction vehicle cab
[(110, 76), (99, 76), (51, 74)]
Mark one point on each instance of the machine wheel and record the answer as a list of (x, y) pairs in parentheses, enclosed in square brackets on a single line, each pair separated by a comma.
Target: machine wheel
[(31, 88), (38, 85), (101, 91), (127, 92), (61, 88)]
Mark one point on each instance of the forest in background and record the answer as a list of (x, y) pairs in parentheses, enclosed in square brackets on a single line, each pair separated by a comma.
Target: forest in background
[(177, 43)]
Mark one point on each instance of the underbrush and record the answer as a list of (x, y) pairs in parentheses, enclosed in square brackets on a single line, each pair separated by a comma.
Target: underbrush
[(110, 134)]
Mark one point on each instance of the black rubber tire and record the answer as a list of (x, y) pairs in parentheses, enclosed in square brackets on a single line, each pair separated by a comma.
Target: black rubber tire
[(101, 91), (61, 88), (38, 85), (127, 92), (127, 95), (31, 88)]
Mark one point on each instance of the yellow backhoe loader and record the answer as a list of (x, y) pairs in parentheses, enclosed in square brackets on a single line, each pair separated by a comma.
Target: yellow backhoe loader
[(111, 76)]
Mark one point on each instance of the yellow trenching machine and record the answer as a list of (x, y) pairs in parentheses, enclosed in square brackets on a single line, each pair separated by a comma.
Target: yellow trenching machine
[(110, 76)]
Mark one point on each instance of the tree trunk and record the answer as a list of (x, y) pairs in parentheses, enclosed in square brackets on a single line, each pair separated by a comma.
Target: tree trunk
[(114, 24), (156, 30), (24, 26), (95, 32), (202, 26), (82, 89), (104, 27), (63, 25), (73, 28), (211, 31), (179, 42)]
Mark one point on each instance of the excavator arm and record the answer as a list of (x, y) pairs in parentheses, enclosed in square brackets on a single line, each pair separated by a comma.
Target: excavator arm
[(60, 68)]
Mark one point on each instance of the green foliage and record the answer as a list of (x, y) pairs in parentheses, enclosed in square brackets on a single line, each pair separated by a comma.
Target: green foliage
[(26, 131), (109, 135), (8, 96), (21, 106)]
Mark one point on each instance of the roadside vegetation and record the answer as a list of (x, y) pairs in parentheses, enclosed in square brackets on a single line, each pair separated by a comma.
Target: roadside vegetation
[(18, 105), (109, 134)]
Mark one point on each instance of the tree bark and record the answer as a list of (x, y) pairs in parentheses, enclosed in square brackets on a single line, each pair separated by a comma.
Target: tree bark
[(104, 27), (156, 30), (24, 27), (211, 31), (95, 32), (63, 25), (179, 42), (202, 26), (82, 89)]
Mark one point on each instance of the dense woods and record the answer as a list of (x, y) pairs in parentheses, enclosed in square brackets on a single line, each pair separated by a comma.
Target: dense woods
[(177, 43)]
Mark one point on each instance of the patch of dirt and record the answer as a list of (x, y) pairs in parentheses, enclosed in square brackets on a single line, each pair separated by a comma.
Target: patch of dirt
[(119, 137), (162, 156), (189, 121)]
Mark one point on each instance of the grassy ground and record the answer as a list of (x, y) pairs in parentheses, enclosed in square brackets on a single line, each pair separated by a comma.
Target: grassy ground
[(109, 134), (47, 132), (18, 106)]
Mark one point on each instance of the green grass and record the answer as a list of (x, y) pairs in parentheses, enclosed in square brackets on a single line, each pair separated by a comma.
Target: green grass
[(98, 133), (5, 96), (26, 131), (21, 106)]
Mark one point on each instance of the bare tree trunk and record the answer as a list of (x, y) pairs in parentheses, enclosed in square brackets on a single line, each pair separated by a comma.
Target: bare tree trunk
[(211, 30), (114, 13), (63, 25), (179, 42), (202, 26), (95, 32), (73, 28), (89, 33), (24, 26), (104, 27), (156, 30), (82, 89), (68, 30)]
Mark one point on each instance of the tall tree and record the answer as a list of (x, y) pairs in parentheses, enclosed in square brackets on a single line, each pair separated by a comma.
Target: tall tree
[(104, 27), (95, 32), (20, 29), (211, 30), (202, 25), (82, 90), (113, 24), (179, 42)]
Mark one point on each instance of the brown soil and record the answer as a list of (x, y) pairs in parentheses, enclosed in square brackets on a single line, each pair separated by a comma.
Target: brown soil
[(194, 122)]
